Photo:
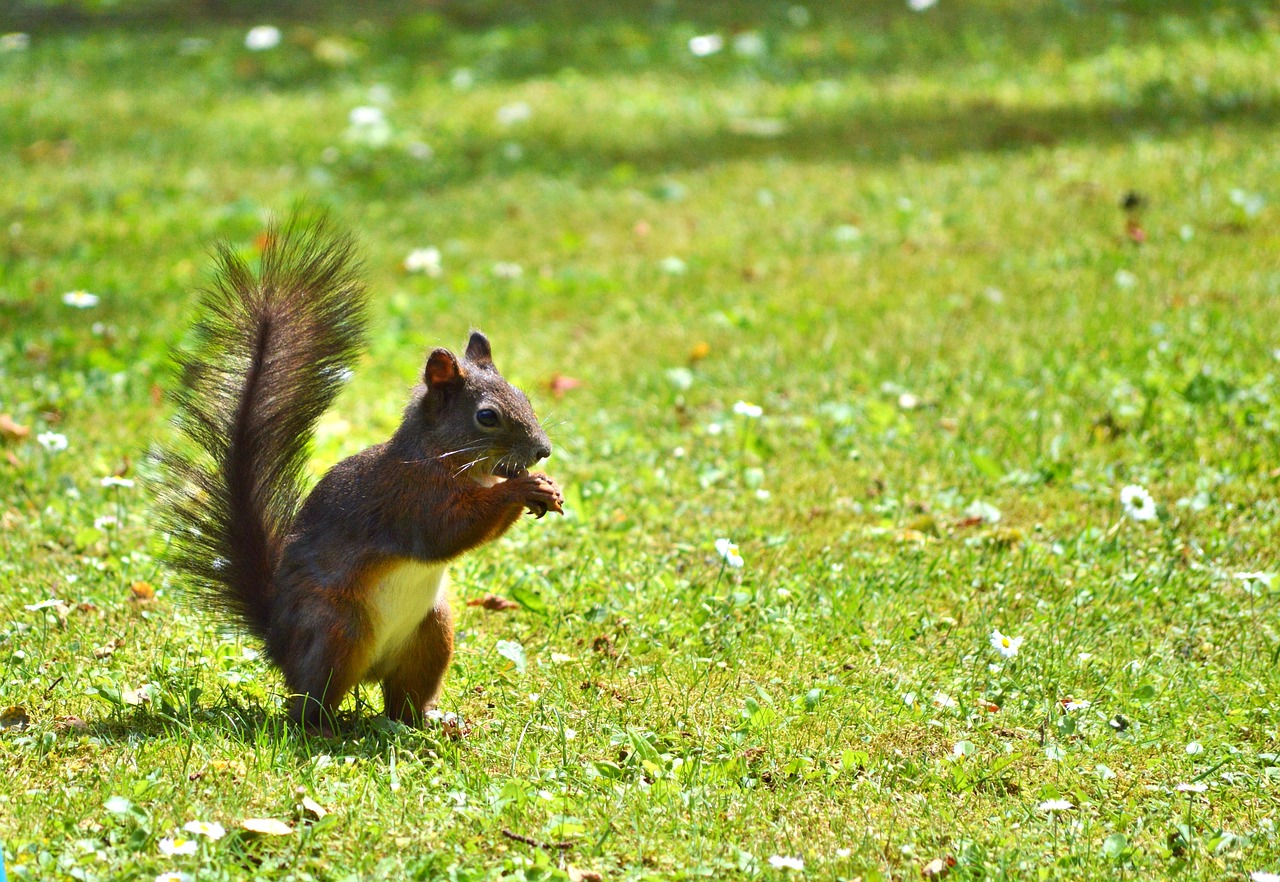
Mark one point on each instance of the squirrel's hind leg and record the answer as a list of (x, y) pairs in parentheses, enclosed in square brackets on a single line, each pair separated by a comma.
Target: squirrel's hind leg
[(414, 680), (322, 663)]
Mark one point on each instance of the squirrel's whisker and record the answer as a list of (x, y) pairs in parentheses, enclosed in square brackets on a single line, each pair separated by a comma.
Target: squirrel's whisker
[(462, 450)]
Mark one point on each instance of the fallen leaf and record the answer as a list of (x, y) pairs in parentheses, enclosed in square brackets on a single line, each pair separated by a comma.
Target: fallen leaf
[(313, 808), (10, 429), (136, 697), (71, 724), (576, 875), (108, 648), (560, 384), (938, 867), (14, 717), (493, 602), (141, 593), (700, 350), (266, 826)]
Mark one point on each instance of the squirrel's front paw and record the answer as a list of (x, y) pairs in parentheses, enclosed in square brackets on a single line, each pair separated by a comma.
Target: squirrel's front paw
[(541, 495)]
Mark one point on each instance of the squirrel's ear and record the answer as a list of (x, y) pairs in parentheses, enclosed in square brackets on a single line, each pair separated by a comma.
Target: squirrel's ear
[(478, 350), (442, 369)]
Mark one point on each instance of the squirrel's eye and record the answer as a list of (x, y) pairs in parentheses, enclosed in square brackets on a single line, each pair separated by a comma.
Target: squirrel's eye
[(487, 417)]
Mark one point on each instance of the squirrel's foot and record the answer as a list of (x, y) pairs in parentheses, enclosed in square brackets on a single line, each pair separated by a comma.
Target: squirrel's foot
[(540, 494), (311, 717)]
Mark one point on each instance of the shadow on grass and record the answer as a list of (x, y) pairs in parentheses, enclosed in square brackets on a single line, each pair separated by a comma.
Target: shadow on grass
[(359, 733), (503, 40), (857, 137)]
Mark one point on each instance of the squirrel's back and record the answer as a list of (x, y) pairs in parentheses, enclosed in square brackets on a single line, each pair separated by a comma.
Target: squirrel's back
[(272, 351)]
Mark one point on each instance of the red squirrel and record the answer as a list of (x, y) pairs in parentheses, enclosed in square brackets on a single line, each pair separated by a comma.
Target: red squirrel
[(349, 585)]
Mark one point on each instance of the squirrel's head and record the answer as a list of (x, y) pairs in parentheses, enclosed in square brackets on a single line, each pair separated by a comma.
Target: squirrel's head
[(484, 425)]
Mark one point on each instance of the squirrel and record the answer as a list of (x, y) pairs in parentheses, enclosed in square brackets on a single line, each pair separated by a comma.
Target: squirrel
[(348, 585)]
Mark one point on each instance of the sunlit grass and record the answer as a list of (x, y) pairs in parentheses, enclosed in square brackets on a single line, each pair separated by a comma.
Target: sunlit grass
[(900, 236)]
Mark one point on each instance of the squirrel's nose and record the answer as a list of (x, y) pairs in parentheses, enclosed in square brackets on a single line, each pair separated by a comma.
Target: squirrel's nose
[(542, 452)]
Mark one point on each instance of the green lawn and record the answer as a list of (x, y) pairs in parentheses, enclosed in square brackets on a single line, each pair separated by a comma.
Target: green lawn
[(900, 234)]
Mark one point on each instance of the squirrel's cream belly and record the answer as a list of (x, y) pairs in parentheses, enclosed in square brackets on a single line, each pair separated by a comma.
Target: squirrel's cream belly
[(402, 598)]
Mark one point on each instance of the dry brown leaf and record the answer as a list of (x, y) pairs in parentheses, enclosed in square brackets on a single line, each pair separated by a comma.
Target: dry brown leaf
[(266, 826), (141, 593), (493, 602), (14, 717), (576, 875), (9, 428), (560, 384), (700, 350), (71, 724), (108, 648), (938, 867)]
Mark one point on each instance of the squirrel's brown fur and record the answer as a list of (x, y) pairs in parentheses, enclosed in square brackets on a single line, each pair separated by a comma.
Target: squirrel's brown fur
[(348, 585)]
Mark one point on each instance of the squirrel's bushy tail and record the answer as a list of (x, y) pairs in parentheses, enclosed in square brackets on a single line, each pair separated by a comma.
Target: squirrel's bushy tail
[(271, 353)]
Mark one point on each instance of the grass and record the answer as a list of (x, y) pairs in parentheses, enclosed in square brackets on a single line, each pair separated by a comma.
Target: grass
[(899, 234)]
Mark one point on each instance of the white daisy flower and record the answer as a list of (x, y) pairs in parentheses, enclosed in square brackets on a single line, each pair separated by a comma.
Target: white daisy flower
[(113, 481), (173, 876), (80, 299), (1191, 788), (175, 845), (208, 829), (1070, 704), (673, 266), (424, 260), (728, 550), (921, 5), (262, 37), (747, 409), (1263, 876), (1263, 579), (706, 44), (52, 441), (781, 862), (1055, 805), (1004, 644), (507, 270), (367, 115), (516, 112), (1137, 503)]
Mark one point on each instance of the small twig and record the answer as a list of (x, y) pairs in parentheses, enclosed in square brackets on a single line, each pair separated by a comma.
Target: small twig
[(53, 684), (535, 843)]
